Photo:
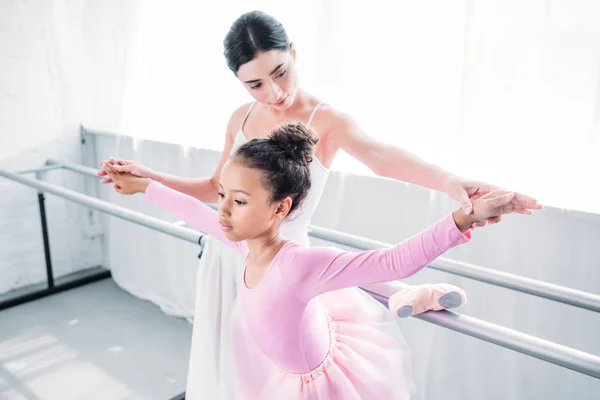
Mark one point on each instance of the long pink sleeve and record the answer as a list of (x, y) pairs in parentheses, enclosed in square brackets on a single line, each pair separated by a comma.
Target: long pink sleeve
[(312, 271), (192, 211)]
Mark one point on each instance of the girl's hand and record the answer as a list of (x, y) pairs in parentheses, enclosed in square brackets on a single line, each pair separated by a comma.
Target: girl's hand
[(491, 206), (126, 183)]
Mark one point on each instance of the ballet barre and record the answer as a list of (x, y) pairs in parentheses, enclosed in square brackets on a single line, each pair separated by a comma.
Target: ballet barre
[(533, 346)]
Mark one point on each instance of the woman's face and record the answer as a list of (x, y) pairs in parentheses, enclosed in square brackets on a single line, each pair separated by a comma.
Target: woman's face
[(271, 78)]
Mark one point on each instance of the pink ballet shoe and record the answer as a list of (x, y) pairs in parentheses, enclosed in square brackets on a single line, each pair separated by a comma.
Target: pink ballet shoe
[(428, 297)]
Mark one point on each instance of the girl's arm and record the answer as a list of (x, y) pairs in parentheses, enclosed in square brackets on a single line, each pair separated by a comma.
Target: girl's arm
[(190, 210), (315, 270)]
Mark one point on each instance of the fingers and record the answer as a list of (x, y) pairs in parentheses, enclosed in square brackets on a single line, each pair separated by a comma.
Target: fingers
[(523, 201), (498, 201), (103, 172), (482, 187), (116, 169), (479, 224), (477, 195), (119, 164), (121, 167), (524, 211), (520, 200), (525, 198), (113, 161), (496, 193), (494, 220), (110, 171), (465, 203)]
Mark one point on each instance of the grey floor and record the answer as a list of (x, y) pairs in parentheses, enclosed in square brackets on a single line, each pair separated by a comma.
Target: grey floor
[(94, 342)]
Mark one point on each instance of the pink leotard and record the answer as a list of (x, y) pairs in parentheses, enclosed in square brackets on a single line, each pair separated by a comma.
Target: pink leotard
[(285, 321)]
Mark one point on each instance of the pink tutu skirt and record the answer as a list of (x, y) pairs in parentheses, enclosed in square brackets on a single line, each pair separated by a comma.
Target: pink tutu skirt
[(367, 359)]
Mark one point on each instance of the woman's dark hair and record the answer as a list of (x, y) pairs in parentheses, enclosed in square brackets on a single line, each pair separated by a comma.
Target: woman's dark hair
[(251, 33), (284, 158)]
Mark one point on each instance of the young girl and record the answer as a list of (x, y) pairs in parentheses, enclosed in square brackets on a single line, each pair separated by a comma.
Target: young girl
[(297, 335)]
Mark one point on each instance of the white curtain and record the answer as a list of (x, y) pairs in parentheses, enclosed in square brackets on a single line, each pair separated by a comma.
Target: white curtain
[(505, 91)]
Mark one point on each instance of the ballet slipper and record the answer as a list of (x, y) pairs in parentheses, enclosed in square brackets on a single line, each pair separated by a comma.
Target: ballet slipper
[(428, 297)]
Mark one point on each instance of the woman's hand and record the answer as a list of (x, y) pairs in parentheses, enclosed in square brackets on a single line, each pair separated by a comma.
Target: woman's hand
[(491, 206), (125, 183), (128, 166), (466, 191)]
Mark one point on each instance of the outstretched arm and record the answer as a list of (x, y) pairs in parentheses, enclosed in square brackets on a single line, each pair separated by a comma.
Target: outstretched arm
[(183, 206), (316, 270), (204, 189), (313, 271), (394, 162)]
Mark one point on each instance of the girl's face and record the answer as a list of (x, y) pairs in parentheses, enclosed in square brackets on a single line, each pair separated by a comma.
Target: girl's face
[(246, 210), (271, 78)]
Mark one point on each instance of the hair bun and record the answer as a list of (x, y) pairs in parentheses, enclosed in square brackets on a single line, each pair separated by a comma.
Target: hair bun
[(297, 141)]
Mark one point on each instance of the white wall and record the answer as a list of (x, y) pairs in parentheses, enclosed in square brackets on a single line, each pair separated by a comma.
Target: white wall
[(60, 64)]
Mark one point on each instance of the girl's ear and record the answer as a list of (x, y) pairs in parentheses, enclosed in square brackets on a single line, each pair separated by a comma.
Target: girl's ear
[(283, 208)]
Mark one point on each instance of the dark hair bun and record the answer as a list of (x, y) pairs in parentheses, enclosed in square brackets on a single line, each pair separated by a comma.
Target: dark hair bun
[(297, 141)]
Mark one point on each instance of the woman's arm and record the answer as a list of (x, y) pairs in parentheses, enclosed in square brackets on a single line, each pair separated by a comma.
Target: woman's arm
[(391, 161), (204, 189)]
